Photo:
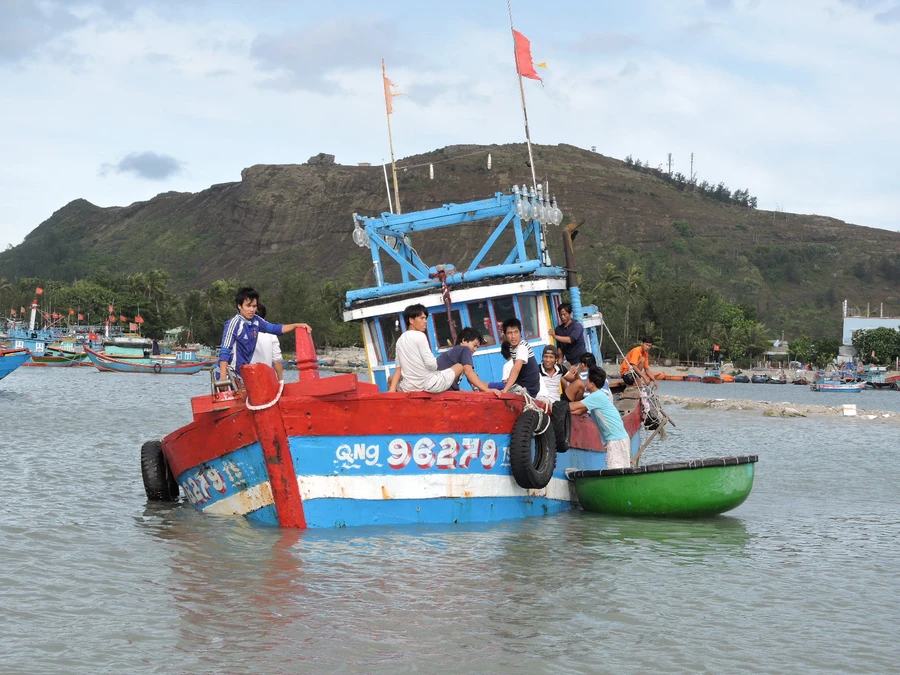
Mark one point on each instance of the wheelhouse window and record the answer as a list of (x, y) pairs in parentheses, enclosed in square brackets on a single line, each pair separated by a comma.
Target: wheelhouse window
[(480, 320), (442, 327), (528, 316), (504, 308), (390, 331)]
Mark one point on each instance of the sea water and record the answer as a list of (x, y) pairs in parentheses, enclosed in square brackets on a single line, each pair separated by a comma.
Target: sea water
[(804, 577)]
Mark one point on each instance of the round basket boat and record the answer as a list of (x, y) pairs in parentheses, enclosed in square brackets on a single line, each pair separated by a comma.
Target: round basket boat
[(699, 487)]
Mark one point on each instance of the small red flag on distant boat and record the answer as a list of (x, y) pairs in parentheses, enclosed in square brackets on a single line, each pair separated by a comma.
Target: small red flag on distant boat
[(81, 317), (524, 64), (112, 318), (71, 312), (715, 348), (38, 291), (111, 309), (139, 319), (388, 94), (123, 318)]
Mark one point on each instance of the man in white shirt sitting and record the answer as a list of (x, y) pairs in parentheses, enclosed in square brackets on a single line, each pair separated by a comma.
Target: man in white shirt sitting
[(268, 349), (551, 374), (417, 368)]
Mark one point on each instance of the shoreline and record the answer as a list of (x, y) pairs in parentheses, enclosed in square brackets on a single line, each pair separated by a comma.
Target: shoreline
[(776, 408)]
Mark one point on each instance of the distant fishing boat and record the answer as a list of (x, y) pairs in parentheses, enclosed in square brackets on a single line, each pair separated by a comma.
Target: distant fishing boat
[(690, 377), (712, 375), (759, 379), (876, 377), (699, 487), (106, 363), (10, 359), (780, 378), (741, 379), (830, 383)]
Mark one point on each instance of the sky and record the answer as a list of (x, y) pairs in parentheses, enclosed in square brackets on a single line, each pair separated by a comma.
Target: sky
[(116, 101)]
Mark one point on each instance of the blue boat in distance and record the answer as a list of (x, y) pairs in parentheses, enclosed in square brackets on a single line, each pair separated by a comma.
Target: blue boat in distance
[(10, 359)]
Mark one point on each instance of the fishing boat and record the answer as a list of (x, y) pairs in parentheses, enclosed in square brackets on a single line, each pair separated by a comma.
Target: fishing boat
[(876, 377), (340, 452), (105, 363), (690, 377), (53, 358), (10, 359), (713, 374), (741, 379), (836, 384), (695, 488), (779, 378), (759, 379)]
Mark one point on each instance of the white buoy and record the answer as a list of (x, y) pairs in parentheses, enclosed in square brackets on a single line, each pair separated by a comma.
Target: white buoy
[(489, 161), (431, 171)]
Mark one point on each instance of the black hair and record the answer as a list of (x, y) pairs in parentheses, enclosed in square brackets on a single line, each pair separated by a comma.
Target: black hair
[(505, 351), (565, 306), (512, 322), (467, 335), (261, 311), (647, 338), (243, 294), (597, 376), (414, 311), (587, 359)]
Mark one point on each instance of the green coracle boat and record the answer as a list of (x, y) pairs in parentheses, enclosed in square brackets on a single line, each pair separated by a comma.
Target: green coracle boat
[(699, 487)]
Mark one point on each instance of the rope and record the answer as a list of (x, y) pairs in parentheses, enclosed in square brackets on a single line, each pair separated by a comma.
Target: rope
[(271, 403), (531, 405)]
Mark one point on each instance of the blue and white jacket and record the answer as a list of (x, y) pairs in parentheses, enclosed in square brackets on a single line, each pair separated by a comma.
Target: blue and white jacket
[(239, 338)]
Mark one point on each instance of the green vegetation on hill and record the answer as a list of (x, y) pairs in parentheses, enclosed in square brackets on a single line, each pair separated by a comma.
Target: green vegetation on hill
[(287, 228)]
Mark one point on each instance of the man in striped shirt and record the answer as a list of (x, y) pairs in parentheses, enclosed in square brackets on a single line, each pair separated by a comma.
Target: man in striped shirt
[(241, 331)]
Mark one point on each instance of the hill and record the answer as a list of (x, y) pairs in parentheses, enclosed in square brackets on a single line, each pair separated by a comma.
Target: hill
[(794, 269)]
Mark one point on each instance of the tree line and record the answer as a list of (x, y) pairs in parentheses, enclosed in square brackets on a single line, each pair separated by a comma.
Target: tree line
[(715, 191), (199, 314)]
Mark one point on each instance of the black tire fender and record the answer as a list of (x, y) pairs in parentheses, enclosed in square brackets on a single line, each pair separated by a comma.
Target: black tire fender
[(157, 368), (159, 483), (561, 418), (532, 456)]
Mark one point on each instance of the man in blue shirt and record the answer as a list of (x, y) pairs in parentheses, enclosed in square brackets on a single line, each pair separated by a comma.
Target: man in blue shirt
[(241, 331), (467, 342), (607, 419), (569, 335)]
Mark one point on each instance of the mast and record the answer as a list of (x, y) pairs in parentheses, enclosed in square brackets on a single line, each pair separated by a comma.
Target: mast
[(389, 108)]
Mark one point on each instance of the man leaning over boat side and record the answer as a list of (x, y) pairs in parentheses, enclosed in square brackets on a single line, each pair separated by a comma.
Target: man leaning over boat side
[(268, 348), (607, 418), (241, 331), (417, 369)]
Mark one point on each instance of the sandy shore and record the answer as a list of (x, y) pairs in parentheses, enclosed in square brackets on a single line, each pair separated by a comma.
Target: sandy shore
[(775, 409)]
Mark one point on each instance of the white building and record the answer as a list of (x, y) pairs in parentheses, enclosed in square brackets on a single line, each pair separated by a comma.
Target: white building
[(854, 322)]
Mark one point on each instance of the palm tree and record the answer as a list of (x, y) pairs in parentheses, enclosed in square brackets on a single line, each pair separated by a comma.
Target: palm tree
[(633, 285)]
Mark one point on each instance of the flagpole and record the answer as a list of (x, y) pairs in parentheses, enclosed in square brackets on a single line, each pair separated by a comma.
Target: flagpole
[(387, 108), (522, 92)]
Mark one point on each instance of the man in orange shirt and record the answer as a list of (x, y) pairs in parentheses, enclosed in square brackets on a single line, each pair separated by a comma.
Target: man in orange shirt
[(637, 363)]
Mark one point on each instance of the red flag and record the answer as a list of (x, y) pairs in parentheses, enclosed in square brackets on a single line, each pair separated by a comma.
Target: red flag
[(111, 309), (81, 317), (55, 315), (71, 312), (139, 319), (38, 291), (123, 318), (524, 64), (132, 327), (715, 348), (112, 318)]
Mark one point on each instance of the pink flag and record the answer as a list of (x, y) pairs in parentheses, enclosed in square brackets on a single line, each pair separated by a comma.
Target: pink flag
[(524, 64)]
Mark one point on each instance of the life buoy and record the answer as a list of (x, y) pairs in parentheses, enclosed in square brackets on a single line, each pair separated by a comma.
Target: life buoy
[(157, 368), (159, 483), (532, 450), (561, 418)]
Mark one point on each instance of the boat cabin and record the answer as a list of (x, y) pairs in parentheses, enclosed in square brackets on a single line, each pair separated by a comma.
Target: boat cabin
[(525, 285)]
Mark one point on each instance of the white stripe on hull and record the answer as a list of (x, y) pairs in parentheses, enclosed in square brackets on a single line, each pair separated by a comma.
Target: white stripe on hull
[(377, 488)]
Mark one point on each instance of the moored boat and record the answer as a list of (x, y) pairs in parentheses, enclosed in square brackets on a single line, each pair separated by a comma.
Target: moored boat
[(338, 452), (690, 377), (700, 487), (836, 384), (11, 359), (712, 375), (759, 379), (741, 379), (105, 363), (779, 378)]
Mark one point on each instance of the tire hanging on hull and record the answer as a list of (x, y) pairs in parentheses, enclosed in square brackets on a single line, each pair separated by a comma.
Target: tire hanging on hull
[(532, 450), (159, 483)]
